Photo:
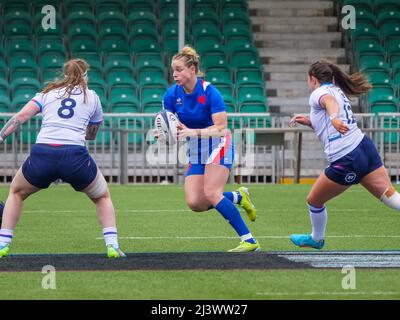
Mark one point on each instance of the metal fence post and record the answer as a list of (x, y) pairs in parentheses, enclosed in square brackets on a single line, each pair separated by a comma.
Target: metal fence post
[(123, 157), (297, 167)]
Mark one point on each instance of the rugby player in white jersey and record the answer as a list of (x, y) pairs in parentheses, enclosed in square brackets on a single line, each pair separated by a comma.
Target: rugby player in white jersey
[(71, 114), (352, 156)]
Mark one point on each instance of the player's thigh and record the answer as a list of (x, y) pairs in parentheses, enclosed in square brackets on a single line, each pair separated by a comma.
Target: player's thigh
[(194, 191), (21, 186), (323, 190), (377, 182), (215, 178)]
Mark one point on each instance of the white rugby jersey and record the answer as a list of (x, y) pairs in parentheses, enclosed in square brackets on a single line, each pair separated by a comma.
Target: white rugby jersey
[(65, 119), (335, 144)]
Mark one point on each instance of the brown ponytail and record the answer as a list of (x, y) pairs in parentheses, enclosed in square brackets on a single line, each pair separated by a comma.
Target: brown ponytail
[(75, 74), (353, 85)]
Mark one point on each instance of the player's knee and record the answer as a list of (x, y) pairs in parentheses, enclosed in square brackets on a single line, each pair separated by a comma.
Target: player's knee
[(195, 205), (314, 202), (391, 198), (212, 196)]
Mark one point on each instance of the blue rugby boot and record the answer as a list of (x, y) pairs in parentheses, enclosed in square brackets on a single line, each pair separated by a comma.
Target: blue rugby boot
[(305, 240)]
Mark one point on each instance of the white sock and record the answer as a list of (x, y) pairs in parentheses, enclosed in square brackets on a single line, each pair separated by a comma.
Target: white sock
[(6, 236), (318, 217), (110, 236)]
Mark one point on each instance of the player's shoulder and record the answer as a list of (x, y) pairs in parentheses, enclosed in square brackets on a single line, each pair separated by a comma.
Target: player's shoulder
[(208, 87), (318, 93), (171, 91)]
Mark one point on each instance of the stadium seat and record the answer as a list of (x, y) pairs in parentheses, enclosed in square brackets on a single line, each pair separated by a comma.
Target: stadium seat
[(143, 32), (111, 17), (20, 85), (251, 95), (368, 46), (151, 97), (79, 30), (215, 62), (206, 31), (152, 79), (388, 16), (236, 17), (359, 4), (116, 44), (246, 62), (15, 6), (83, 45), (77, 5), (116, 78), (16, 28), (117, 61), (207, 47), (249, 78), (18, 16), (387, 5), (23, 63), (149, 62), (389, 31), (47, 46), (92, 58), (123, 96), (19, 46), (239, 48), (204, 15), (145, 46), (364, 31), (373, 62), (379, 77), (138, 5), (219, 77), (365, 16), (142, 18), (237, 32), (109, 6)]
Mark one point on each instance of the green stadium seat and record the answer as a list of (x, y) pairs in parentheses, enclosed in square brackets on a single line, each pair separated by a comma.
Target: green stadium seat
[(390, 30), (104, 134), (225, 90), (380, 77), (382, 95), (152, 79), (83, 45), (145, 46), (116, 78), (364, 31), (19, 85), (116, 44), (23, 63), (368, 46), (229, 103), (138, 5), (29, 132), (95, 78), (117, 62), (387, 5), (240, 5), (236, 17), (51, 61), (391, 123), (253, 108), (123, 96), (251, 95), (16, 28), (38, 18), (388, 16), (143, 32), (392, 48), (204, 15), (50, 75), (101, 92), (169, 15), (3, 68), (142, 18), (134, 137), (383, 107), (151, 97), (249, 78), (249, 61), (16, 6), (18, 16), (149, 62), (207, 47), (359, 4), (365, 16), (111, 17), (83, 17), (4, 87), (81, 30), (77, 5), (108, 6), (219, 77), (215, 62), (109, 31), (239, 48), (373, 62), (237, 32), (46, 46), (19, 46), (206, 31), (20, 100)]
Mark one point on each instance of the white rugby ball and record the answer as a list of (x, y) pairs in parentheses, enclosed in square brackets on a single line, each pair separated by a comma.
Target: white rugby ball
[(166, 125)]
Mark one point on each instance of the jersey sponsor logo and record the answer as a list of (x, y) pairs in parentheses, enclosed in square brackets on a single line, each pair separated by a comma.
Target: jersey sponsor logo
[(350, 177), (202, 99)]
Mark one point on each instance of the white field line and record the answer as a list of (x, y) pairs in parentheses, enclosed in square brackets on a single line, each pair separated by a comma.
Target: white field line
[(327, 293), (184, 210), (229, 238)]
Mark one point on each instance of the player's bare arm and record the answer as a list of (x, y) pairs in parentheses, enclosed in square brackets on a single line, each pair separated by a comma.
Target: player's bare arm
[(218, 129), (91, 131), (27, 112), (301, 119), (332, 108)]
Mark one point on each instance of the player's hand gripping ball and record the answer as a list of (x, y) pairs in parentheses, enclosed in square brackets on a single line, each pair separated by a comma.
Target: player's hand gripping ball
[(166, 127)]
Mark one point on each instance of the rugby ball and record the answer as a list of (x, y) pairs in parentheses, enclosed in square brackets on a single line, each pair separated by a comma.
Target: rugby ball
[(166, 125)]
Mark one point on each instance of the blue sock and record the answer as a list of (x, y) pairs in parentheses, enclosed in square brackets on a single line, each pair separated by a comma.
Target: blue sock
[(228, 210), (233, 196)]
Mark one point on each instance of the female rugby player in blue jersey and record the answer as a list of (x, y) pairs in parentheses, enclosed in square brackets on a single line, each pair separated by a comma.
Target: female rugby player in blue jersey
[(352, 156), (71, 114), (203, 122)]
